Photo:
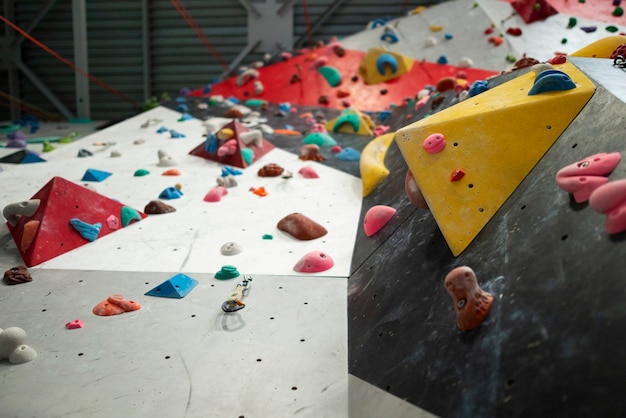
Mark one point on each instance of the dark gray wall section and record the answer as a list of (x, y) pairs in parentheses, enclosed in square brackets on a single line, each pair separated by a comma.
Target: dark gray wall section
[(553, 343)]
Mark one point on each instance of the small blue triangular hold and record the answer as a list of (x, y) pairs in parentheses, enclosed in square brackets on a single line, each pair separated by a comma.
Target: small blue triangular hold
[(95, 175), (31, 157), (177, 286)]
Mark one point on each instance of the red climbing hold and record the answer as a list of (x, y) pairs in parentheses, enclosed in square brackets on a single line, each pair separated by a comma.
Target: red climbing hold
[(457, 175), (376, 218)]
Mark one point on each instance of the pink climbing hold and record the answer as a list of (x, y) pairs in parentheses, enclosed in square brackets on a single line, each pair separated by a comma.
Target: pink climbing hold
[(229, 148), (113, 222), (314, 262), (318, 127), (434, 143), (336, 149), (215, 194), (308, 173), (381, 129), (77, 323), (320, 62), (583, 177), (610, 199), (377, 217)]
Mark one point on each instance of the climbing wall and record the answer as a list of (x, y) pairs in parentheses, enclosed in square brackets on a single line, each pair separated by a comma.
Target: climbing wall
[(551, 344)]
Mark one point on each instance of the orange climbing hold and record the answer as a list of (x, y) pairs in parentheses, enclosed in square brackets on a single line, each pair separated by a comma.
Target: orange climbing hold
[(496, 40), (259, 191), (30, 231), (115, 305), (171, 172)]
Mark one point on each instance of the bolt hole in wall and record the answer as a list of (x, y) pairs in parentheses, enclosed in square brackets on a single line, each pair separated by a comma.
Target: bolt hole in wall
[(564, 237)]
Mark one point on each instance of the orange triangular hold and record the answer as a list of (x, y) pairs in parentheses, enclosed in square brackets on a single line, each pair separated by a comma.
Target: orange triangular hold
[(237, 158), (62, 200)]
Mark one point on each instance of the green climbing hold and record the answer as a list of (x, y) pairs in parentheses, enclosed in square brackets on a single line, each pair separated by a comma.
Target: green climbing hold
[(320, 139), (572, 22), (564, 41), (511, 58), (227, 272), (611, 29), (537, 6), (129, 215), (618, 11), (331, 74), (268, 236), (247, 154), (255, 102), (350, 118), (47, 146), (141, 172)]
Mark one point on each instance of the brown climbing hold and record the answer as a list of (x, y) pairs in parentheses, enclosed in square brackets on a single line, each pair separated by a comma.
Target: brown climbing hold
[(413, 191), (301, 227), (233, 114), (471, 303), (295, 79), (17, 275), (323, 100), (156, 207), (311, 152), (445, 84), (270, 170)]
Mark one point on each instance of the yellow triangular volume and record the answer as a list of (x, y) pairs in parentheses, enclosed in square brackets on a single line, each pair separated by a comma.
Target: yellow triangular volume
[(495, 138), (380, 65)]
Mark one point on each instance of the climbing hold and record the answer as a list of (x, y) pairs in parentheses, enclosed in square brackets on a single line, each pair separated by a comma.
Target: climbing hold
[(228, 148), (331, 75), (215, 194), (376, 218), (434, 143), (477, 87), (413, 192), (175, 134), (442, 60), (301, 227), (610, 199), (465, 62), (323, 99), (155, 207), (351, 118), (170, 193), (471, 303), (171, 172), (165, 160), (113, 222), (183, 117), (430, 41), (115, 305), (620, 50), (115, 154), (386, 64), (22, 354), (88, 231), (551, 80), (10, 339), (541, 67), (233, 113), (377, 23), (129, 215), (618, 12), (28, 235), (389, 37), (348, 154), (267, 237), (583, 177), (248, 155), (457, 174), (227, 272), (95, 175), (230, 248), (314, 262), (308, 173), (436, 28), (227, 181), (588, 29), (253, 136), (321, 139), (372, 162), (259, 191), (611, 28), (557, 59), (445, 84), (14, 211), (47, 147), (572, 22), (230, 171), (311, 152), (246, 76), (270, 170), (319, 62), (495, 40), (225, 134), (514, 31), (75, 324), (177, 287), (17, 275), (161, 130)]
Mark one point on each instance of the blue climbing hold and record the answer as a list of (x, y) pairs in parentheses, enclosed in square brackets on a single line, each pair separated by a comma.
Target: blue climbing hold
[(161, 130), (182, 108), (377, 22), (211, 143), (285, 106), (95, 175), (442, 60), (170, 193), (233, 100), (448, 36), (551, 80), (349, 154), (230, 171), (478, 87), (185, 116), (31, 157), (389, 37), (87, 231), (383, 115), (386, 60), (207, 89), (177, 287), (176, 134)]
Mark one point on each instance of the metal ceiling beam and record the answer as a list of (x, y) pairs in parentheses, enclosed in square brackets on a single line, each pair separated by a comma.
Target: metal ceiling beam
[(146, 48), (34, 22), (79, 21), (330, 10)]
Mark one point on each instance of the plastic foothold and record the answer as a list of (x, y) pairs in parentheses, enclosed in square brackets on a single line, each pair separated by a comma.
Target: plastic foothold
[(141, 172), (477, 87), (583, 177), (113, 222), (319, 62), (551, 80), (10, 339), (350, 118), (457, 174), (434, 143), (259, 191), (88, 231), (17, 275), (230, 171), (270, 170), (77, 323), (230, 248), (170, 193), (320, 139), (610, 199), (348, 154), (115, 305), (129, 215), (331, 75), (385, 61), (176, 287), (471, 303), (171, 172), (15, 211), (95, 175), (314, 262), (308, 173), (215, 194), (376, 218), (227, 272)]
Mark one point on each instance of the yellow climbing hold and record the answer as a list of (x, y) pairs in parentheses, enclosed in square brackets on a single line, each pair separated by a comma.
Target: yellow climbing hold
[(393, 65), (351, 122), (372, 163), (436, 28)]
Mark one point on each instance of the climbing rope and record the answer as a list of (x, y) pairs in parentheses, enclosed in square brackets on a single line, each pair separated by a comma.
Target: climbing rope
[(194, 26), (36, 111), (71, 64), (309, 34)]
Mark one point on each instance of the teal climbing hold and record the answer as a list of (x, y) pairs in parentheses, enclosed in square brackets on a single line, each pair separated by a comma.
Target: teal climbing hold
[(255, 102), (331, 74), (320, 139), (141, 172), (128, 215), (227, 272), (385, 61), (87, 231), (351, 118), (551, 80), (247, 154)]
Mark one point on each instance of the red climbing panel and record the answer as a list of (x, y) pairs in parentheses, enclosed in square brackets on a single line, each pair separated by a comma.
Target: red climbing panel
[(278, 85), (49, 233), (593, 9), (533, 10)]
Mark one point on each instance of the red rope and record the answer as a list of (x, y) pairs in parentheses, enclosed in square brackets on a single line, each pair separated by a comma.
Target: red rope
[(307, 22), (194, 26), (71, 64)]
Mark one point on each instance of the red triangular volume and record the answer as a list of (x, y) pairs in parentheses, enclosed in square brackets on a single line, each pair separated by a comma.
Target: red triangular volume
[(236, 159), (48, 233), (533, 10)]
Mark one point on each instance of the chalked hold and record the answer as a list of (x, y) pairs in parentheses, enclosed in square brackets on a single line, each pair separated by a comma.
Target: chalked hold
[(227, 272), (301, 227), (17, 275)]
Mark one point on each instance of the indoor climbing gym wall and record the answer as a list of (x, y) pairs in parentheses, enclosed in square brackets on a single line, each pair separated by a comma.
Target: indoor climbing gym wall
[(424, 218)]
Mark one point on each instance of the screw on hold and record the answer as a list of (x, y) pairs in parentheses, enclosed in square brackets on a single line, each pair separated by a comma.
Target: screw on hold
[(234, 301)]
